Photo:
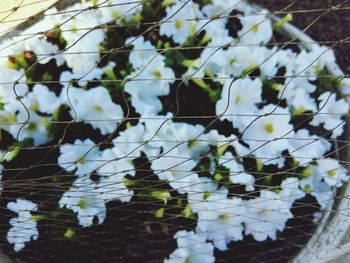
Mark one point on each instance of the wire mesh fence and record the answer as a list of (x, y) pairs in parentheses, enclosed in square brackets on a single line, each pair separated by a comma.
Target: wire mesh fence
[(173, 131)]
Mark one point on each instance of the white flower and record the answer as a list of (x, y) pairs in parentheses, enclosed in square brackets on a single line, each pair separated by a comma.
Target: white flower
[(43, 100), (204, 195), (240, 58), (331, 170), (9, 76), (81, 156), (344, 87), (82, 78), (305, 147), (256, 28), (117, 10), (146, 85), (290, 192), (238, 101), (330, 114), (179, 22), (129, 142), (217, 33), (142, 52), (309, 63), (78, 27), (95, 107), (265, 135), (189, 140), (315, 186), (198, 193), (24, 228), (193, 137), (233, 141), (223, 223), (191, 248), (266, 215), (112, 165), (44, 50), (221, 7), (296, 90), (36, 128), (177, 171), (211, 63), (82, 55), (113, 188), (84, 199), (237, 172)]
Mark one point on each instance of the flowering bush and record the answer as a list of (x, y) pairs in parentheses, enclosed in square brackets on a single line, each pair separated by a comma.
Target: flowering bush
[(185, 107)]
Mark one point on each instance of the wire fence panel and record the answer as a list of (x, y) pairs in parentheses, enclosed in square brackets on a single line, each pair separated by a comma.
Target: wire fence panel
[(174, 131)]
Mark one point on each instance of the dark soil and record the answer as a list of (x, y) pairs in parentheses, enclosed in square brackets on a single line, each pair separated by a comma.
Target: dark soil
[(330, 26)]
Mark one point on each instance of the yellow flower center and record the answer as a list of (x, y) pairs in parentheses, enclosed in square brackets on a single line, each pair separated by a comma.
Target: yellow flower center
[(268, 127), (206, 195), (35, 106), (308, 189), (98, 108), (255, 28), (31, 126), (224, 217), (82, 203), (331, 173), (80, 160), (263, 212), (157, 74), (178, 24), (191, 143), (238, 99)]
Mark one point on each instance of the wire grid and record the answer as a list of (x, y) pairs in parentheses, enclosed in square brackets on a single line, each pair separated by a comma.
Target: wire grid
[(130, 232)]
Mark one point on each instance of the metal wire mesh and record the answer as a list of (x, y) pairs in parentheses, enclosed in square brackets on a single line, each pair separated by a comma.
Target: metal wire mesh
[(150, 158)]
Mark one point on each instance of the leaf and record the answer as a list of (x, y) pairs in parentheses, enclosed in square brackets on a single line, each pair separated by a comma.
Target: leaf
[(187, 212), (159, 213), (161, 195), (69, 233), (286, 19)]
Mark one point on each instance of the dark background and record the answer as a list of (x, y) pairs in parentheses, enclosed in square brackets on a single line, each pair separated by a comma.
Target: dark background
[(332, 26)]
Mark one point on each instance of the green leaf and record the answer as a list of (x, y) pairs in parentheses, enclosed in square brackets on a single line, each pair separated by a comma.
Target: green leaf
[(37, 218), (267, 179), (194, 63), (218, 177), (308, 189), (127, 182), (286, 19), (307, 172), (166, 3), (11, 65), (187, 212), (201, 84), (259, 165), (69, 233), (299, 111), (221, 150), (159, 213), (161, 195), (277, 86)]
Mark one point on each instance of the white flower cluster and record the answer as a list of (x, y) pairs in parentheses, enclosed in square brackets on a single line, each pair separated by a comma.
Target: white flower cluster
[(175, 149), (24, 228)]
